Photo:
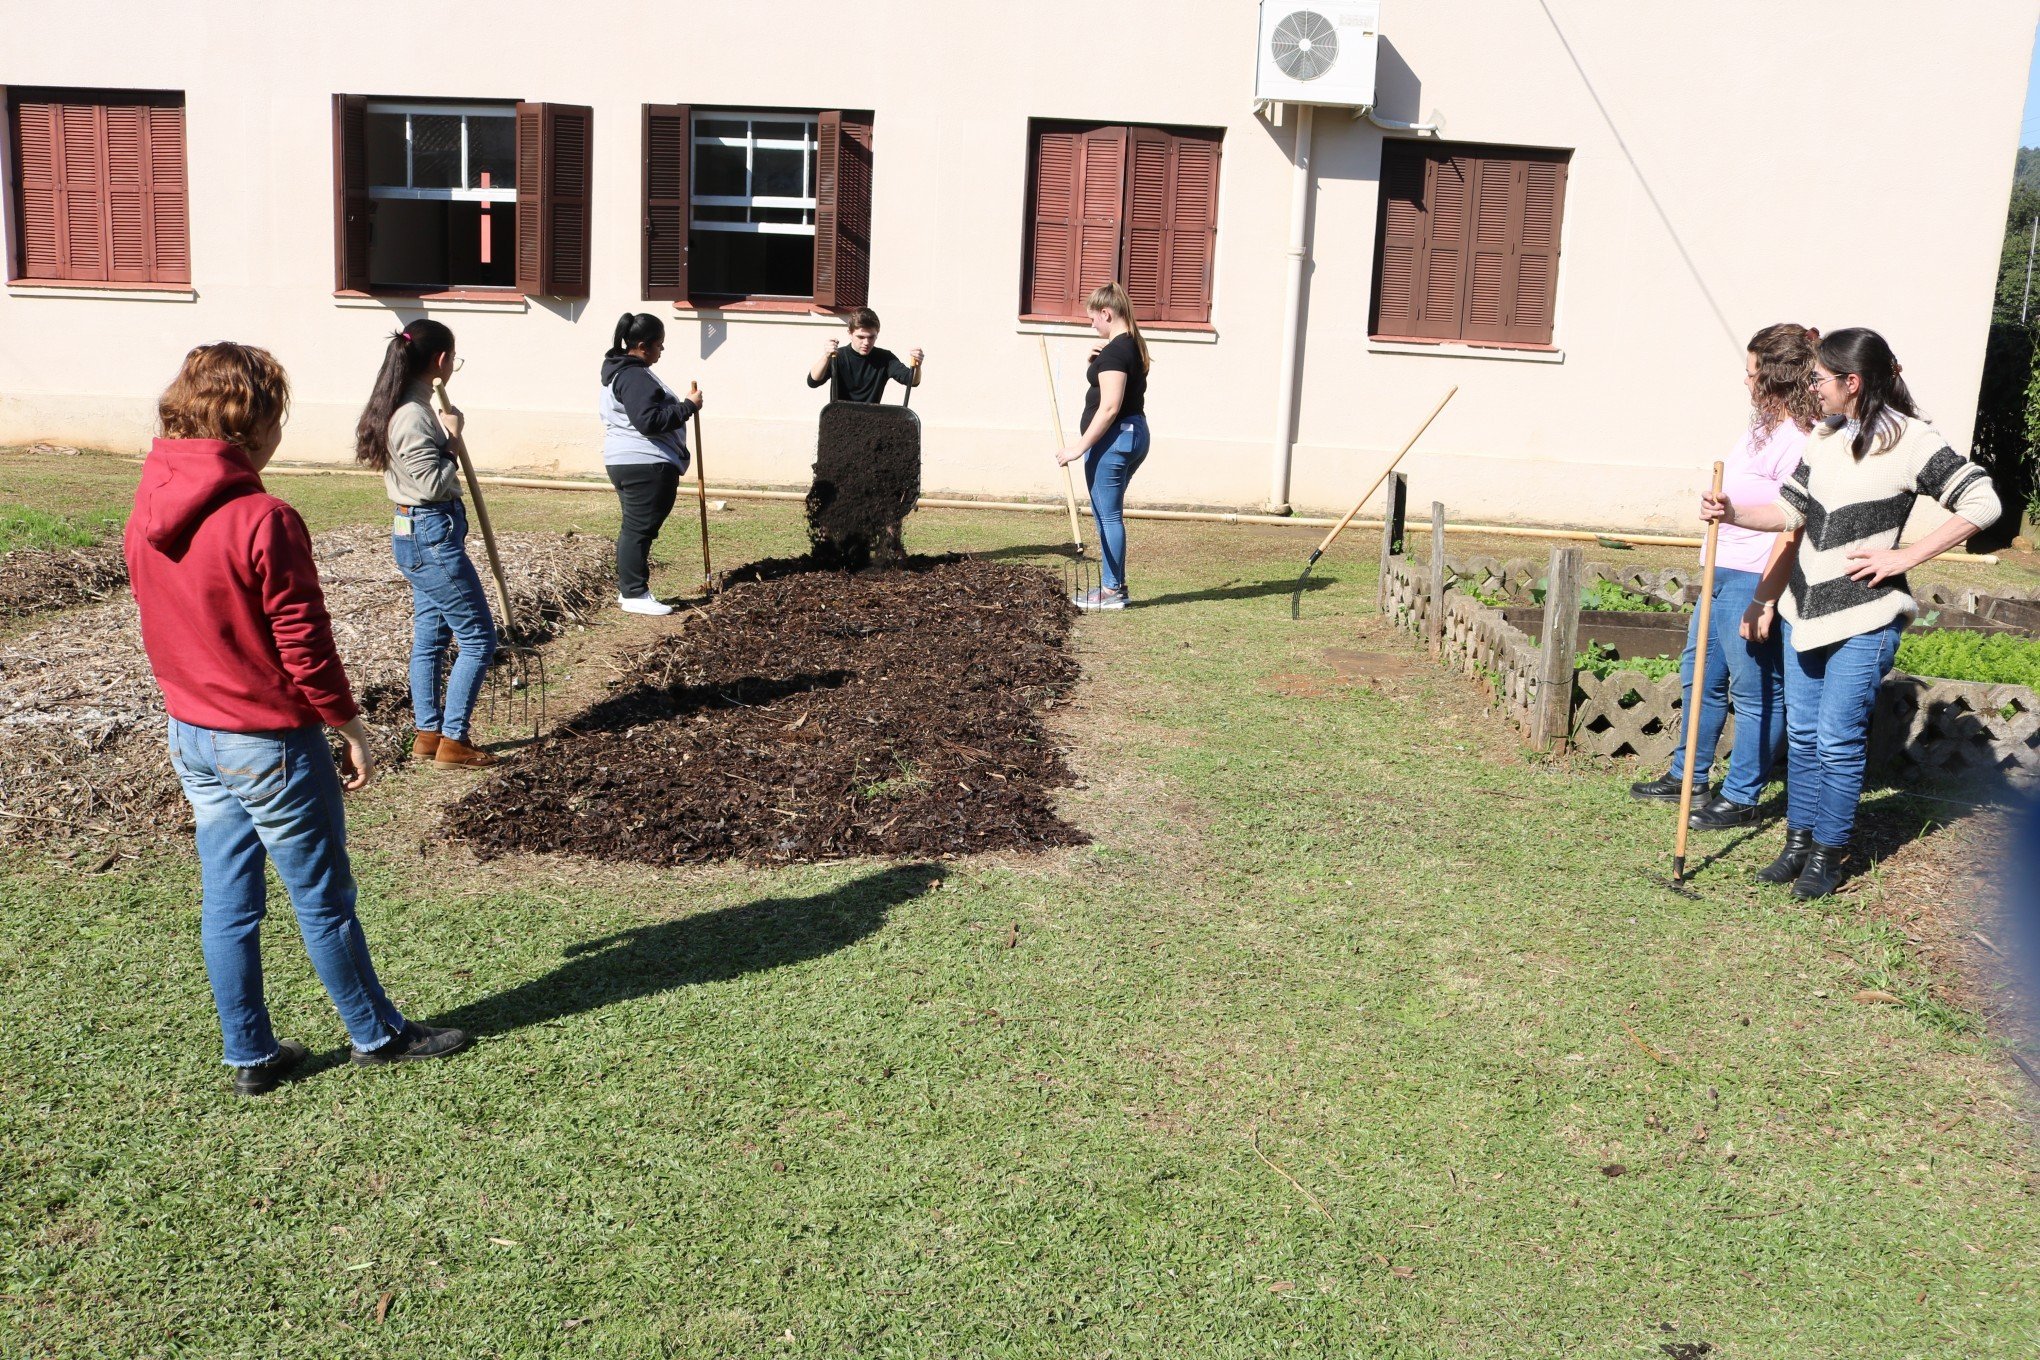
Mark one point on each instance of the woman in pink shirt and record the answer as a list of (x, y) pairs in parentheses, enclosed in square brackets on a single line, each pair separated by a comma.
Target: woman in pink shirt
[(1743, 675)]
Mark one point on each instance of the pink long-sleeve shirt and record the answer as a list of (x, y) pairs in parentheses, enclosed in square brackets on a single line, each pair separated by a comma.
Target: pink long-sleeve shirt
[(1752, 473)]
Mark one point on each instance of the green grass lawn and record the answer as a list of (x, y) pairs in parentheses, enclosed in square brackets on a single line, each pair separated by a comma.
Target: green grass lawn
[(1020, 1106)]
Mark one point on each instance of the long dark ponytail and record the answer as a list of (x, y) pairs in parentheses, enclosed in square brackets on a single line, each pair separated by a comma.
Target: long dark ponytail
[(1883, 396), (634, 329), (411, 351)]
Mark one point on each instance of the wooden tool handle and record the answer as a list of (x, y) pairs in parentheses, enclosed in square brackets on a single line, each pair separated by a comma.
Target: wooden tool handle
[(1055, 415), (701, 498), (1408, 444), (474, 486), (1703, 620)]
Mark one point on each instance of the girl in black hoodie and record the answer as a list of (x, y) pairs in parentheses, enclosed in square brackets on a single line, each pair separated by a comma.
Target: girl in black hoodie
[(644, 450)]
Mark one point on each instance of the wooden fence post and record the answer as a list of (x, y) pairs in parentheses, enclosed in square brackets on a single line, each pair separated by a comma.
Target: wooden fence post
[(1437, 619), (1552, 724), (1398, 499)]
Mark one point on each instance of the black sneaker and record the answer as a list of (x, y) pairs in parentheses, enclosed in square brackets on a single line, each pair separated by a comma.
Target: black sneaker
[(415, 1044), (263, 1078), (1665, 789), (1719, 814)]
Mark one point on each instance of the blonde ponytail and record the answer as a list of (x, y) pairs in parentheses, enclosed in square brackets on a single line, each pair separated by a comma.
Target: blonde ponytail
[(1112, 298)]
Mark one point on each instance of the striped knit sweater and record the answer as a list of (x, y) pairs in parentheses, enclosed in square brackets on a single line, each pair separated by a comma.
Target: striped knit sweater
[(1847, 506)]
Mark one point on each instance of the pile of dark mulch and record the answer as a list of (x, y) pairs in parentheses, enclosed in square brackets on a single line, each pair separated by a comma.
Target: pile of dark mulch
[(867, 480), (812, 714), (36, 580)]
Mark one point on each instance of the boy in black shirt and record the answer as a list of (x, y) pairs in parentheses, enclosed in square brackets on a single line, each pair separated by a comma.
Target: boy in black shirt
[(860, 371)]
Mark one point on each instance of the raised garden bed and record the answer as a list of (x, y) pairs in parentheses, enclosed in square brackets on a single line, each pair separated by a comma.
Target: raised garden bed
[(1494, 620)]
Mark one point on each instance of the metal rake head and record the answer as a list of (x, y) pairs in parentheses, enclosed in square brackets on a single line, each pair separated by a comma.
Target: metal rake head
[(513, 695), (1079, 579)]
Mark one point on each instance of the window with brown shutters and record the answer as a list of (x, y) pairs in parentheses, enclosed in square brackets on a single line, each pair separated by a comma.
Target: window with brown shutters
[(95, 187), (440, 195), (757, 207), (1114, 202), (1468, 243)]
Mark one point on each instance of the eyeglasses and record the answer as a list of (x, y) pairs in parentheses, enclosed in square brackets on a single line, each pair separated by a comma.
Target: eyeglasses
[(459, 364), (1817, 383)]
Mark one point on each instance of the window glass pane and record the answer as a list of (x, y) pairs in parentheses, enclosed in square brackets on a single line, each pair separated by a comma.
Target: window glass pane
[(492, 146), (777, 174), (435, 151), (791, 132), (385, 138), (719, 170), (710, 212), (792, 215), (720, 127)]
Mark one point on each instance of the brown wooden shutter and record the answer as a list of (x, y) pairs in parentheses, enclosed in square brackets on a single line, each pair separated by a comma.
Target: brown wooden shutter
[(36, 219), (669, 149), (1101, 210), (554, 181), (352, 211), (1403, 228), (1534, 298), (131, 245), (1441, 266), (843, 209), (82, 191), (1171, 223), (1495, 226), (169, 198), (1052, 247)]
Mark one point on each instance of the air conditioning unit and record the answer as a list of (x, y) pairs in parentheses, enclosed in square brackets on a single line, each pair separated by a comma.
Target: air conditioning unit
[(1318, 52)]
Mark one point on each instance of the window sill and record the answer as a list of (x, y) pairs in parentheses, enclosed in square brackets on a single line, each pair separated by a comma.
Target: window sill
[(1452, 349), (1152, 330), (113, 292), (446, 300), (781, 313)]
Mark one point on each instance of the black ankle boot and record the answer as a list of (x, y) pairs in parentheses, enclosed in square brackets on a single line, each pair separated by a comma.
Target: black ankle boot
[(1785, 868), (1825, 869), (1720, 814), (1664, 789)]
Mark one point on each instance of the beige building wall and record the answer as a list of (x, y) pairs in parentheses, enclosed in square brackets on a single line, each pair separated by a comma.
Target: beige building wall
[(1734, 164)]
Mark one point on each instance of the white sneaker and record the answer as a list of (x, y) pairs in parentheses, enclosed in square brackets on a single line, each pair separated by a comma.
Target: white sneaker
[(643, 604)]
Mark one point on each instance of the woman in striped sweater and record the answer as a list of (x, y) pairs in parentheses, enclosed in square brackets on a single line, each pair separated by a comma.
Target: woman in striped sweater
[(1838, 578)]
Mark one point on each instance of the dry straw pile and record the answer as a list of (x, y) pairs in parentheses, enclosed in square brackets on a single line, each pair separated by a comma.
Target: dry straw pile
[(82, 754)]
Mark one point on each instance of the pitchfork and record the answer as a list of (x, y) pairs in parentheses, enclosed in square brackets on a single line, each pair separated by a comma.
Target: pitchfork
[(519, 669)]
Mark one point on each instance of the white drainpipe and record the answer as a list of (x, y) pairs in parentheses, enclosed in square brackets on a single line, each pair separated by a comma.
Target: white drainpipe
[(1292, 315)]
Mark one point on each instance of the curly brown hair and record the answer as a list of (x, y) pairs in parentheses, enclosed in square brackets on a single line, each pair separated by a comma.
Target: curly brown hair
[(1785, 355), (233, 393)]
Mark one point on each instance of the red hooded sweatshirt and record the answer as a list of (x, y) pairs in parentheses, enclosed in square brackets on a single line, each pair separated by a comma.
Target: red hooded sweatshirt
[(232, 616)]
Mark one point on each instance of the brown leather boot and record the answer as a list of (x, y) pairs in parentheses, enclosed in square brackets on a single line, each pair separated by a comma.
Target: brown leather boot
[(425, 745), (458, 755)]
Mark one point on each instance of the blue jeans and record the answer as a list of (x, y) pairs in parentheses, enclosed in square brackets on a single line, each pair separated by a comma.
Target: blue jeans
[(275, 795), (1108, 467), (1747, 676), (447, 606), (1829, 695)]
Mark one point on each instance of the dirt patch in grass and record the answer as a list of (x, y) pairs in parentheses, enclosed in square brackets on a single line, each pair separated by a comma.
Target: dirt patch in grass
[(811, 714), (82, 757)]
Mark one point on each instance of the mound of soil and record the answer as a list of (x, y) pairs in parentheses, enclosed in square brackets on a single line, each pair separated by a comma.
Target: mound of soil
[(37, 580), (812, 714), (867, 480)]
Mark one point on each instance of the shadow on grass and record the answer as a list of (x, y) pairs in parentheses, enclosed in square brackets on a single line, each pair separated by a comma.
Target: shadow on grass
[(714, 946), (1285, 585), (1065, 549)]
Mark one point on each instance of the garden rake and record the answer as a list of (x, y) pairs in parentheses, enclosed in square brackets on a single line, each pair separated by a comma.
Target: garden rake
[(701, 493), (514, 694), (1690, 715), (1296, 596)]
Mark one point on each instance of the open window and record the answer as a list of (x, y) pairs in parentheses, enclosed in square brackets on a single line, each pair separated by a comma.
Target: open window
[(438, 196), (757, 206)]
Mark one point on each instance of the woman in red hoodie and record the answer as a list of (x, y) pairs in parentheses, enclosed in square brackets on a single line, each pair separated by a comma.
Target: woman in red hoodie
[(237, 634)]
